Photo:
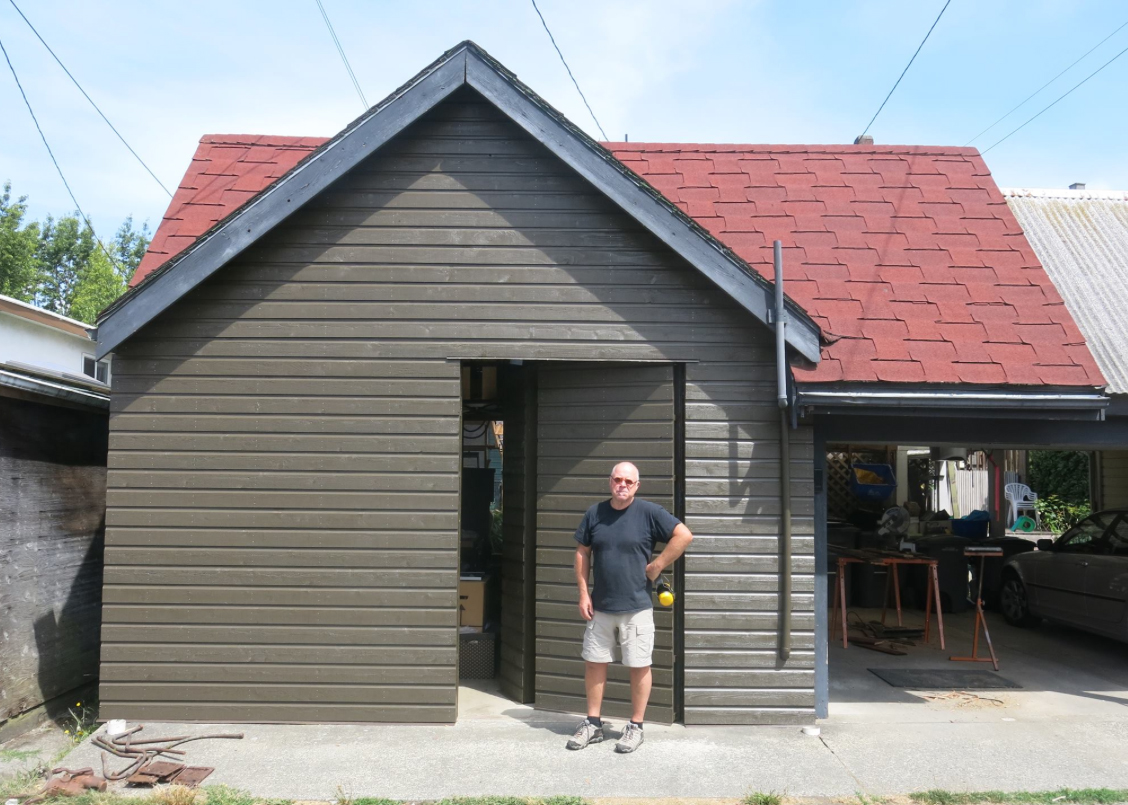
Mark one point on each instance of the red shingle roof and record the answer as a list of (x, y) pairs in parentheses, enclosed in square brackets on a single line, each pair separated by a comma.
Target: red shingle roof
[(908, 257)]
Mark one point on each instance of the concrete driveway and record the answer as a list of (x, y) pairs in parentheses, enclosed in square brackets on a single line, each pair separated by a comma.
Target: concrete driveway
[(1066, 727)]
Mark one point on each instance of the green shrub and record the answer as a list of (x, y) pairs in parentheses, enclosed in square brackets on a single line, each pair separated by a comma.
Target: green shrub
[(1060, 473), (1058, 515)]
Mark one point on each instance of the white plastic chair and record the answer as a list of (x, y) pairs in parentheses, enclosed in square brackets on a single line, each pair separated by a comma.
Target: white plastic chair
[(1021, 498)]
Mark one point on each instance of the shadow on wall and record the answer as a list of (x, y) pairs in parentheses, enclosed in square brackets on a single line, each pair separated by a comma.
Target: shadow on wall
[(52, 506)]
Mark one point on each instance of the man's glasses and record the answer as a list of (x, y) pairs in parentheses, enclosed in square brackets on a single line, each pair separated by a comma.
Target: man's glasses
[(618, 479)]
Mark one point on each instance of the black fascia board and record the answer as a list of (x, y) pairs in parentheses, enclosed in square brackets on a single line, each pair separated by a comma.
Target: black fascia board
[(465, 64)]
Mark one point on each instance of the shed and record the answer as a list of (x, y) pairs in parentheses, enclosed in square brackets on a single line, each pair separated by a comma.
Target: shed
[(283, 511)]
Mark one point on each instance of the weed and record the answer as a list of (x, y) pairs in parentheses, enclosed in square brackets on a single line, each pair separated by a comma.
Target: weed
[(344, 796), (174, 795), (1061, 796), (375, 801), (225, 795), (81, 723), (21, 784), (762, 798), (18, 754)]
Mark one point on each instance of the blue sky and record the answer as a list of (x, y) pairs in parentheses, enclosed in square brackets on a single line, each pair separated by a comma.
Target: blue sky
[(711, 71)]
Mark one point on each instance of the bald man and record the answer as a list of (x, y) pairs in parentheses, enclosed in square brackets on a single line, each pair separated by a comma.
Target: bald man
[(617, 537)]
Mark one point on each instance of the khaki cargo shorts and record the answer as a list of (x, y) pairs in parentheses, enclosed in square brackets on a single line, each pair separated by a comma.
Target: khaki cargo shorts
[(636, 637)]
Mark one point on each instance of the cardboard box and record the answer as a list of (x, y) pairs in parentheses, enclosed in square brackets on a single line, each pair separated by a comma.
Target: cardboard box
[(472, 600)]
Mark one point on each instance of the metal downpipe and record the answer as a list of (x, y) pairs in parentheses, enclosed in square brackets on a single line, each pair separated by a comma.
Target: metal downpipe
[(784, 649)]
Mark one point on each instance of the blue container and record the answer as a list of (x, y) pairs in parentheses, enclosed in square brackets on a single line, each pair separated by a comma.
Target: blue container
[(971, 529), (875, 493)]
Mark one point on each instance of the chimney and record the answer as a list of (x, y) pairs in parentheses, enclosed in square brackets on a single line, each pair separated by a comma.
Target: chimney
[(1077, 186), (863, 139)]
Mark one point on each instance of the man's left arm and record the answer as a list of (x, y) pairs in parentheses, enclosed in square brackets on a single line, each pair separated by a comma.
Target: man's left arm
[(675, 547)]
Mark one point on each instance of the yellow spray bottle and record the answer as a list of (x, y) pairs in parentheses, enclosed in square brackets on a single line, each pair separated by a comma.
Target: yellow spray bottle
[(665, 592)]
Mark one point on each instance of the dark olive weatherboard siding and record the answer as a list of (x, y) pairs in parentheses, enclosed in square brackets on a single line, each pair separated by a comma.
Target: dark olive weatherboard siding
[(589, 416), (284, 446)]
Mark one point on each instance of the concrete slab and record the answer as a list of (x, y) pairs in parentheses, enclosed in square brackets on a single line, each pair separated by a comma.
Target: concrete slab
[(1066, 727)]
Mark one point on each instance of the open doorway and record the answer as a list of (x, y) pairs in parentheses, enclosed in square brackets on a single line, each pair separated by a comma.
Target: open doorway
[(496, 534)]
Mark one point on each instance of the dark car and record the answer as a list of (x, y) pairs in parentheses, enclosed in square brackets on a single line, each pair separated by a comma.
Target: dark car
[(1080, 579)]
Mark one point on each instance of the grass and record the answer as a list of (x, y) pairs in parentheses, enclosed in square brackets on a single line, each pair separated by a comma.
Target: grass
[(1061, 796), (762, 798), (18, 754)]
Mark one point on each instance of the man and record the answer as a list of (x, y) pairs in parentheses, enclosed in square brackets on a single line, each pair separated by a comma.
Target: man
[(617, 537)]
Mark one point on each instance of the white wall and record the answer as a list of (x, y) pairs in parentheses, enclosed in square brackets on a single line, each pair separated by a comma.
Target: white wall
[(39, 345)]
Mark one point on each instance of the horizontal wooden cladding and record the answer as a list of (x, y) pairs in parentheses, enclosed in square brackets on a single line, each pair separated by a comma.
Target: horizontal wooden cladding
[(220, 576), (310, 539), (749, 657), (258, 461), (307, 500), (279, 634), (237, 367), (377, 388), (552, 685), (279, 693), (746, 621), (719, 638), (267, 406), (206, 596), (314, 655), (278, 673), (284, 442), (749, 697), (356, 291), (257, 557), (737, 602), (744, 582), (297, 481), (700, 562), (750, 715), (276, 712), (294, 280), (450, 336), (283, 519), (729, 530), (759, 678)]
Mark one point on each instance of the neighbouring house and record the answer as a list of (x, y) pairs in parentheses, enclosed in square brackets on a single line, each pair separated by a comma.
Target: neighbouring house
[(1081, 237), (288, 407), (54, 404)]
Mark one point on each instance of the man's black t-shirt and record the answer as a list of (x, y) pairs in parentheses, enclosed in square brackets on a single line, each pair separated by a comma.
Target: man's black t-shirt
[(621, 543)]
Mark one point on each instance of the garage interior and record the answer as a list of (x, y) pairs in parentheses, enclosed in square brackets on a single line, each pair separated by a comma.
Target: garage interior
[(1048, 671)]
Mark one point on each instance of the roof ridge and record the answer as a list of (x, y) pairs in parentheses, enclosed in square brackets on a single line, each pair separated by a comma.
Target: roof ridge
[(1064, 195)]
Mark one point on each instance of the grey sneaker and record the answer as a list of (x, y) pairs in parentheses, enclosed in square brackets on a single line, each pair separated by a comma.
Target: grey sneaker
[(586, 733), (630, 740)]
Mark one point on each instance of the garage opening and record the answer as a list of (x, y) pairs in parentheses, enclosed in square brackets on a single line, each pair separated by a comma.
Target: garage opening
[(985, 520)]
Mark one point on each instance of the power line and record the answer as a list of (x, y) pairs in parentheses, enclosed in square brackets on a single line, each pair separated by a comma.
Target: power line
[(344, 58), (51, 153), (1075, 86), (907, 66), (96, 109), (569, 69), (1052, 80)]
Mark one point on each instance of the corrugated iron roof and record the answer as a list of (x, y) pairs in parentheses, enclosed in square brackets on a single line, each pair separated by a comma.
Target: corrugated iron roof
[(1081, 239)]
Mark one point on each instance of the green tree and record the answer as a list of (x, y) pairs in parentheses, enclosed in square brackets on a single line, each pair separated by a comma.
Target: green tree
[(19, 269), (65, 248), (99, 284)]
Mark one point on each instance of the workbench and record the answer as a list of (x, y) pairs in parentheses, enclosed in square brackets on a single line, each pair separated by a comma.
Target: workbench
[(890, 560)]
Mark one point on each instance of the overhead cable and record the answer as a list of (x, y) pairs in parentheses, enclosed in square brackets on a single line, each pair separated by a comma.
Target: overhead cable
[(1052, 80), (344, 58), (569, 69), (907, 66), (51, 153), (91, 100), (1061, 97)]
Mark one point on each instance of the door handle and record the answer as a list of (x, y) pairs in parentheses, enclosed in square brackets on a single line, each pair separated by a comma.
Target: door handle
[(1084, 564)]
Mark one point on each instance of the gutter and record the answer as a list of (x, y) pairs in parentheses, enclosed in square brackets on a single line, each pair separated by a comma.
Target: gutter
[(71, 394), (977, 400)]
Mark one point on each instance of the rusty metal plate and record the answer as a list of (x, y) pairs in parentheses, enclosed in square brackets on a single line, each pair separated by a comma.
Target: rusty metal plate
[(192, 776)]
